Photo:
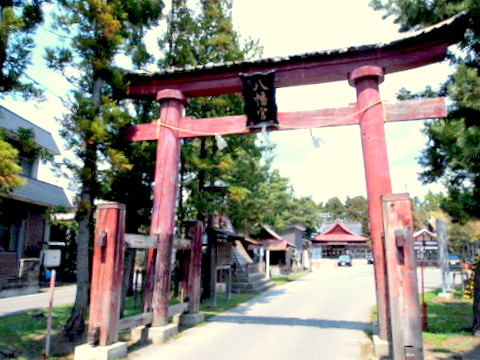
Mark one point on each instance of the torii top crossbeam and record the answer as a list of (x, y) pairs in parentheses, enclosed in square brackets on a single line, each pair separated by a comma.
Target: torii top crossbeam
[(425, 47)]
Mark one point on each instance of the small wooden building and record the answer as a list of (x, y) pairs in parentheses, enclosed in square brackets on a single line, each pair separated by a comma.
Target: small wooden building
[(24, 231), (337, 240), (426, 246), (294, 235)]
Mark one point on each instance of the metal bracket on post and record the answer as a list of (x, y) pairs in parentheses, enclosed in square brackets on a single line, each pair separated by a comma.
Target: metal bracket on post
[(400, 242)]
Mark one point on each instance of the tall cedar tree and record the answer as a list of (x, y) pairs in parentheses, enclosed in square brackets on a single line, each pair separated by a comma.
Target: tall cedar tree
[(453, 150), (197, 39), (243, 166), (98, 30), (18, 21)]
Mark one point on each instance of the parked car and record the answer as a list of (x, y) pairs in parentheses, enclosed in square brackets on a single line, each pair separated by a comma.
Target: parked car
[(370, 259), (454, 262), (344, 260)]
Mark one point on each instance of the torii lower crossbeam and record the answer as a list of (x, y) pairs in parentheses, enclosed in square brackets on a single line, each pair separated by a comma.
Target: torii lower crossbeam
[(235, 125)]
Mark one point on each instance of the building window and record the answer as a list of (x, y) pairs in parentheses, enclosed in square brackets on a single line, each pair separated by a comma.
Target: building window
[(27, 165), (8, 237)]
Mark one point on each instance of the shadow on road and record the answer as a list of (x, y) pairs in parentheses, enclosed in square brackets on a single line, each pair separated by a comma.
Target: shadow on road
[(288, 321), (263, 298)]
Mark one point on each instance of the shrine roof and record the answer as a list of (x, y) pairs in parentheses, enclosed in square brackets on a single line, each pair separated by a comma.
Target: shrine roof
[(411, 50), (426, 232), (339, 232)]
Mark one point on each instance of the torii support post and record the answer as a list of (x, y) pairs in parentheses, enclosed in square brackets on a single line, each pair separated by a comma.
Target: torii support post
[(195, 230), (107, 274), (365, 79), (164, 201), (402, 277), (194, 316)]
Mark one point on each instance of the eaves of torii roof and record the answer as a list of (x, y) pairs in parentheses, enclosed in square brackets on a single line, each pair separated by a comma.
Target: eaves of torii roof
[(338, 233), (424, 47)]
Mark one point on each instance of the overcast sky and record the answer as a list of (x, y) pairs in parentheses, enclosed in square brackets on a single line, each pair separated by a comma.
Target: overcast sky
[(336, 168)]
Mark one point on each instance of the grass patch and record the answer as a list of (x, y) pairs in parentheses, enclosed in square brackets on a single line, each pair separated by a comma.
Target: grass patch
[(448, 325), (223, 304), (283, 279), (22, 336)]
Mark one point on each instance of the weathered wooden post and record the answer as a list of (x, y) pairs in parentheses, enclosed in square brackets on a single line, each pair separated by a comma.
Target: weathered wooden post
[(194, 317), (365, 79), (443, 258), (104, 313), (402, 277), (164, 200)]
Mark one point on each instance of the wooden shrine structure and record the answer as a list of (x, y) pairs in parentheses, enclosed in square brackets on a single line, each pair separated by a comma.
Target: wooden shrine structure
[(338, 239), (363, 67)]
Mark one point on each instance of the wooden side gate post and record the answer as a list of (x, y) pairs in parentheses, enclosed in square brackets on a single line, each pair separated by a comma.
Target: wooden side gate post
[(402, 277), (195, 229), (106, 274)]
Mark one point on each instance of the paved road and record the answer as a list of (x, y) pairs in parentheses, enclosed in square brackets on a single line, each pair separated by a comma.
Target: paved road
[(321, 316), (13, 305)]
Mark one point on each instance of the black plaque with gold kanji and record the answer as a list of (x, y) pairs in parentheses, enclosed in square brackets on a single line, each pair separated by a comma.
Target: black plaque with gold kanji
[(259, 96)]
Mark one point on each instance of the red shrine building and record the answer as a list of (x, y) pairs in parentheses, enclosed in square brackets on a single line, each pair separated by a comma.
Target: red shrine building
[(340, 239)]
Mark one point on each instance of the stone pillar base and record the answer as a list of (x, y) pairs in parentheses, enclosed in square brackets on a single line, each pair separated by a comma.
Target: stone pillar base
[(139, 334), (160, 334), (381, 347), (445, 295), (109, 352), (192, 319)]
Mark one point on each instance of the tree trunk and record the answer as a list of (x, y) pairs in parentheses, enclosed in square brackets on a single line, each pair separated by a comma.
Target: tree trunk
[(476, 299), (75, 326)]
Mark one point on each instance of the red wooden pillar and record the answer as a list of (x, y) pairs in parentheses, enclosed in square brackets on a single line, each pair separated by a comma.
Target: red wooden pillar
[(402, 277), (164, 201), (106, 274), (195, 231), (365, 79)]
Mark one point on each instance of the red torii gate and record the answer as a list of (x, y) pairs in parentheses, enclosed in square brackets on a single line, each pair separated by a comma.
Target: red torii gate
[(364, 67)]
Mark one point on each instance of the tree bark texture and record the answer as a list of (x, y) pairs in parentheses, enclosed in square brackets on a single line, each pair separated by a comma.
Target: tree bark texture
[(476, 300)]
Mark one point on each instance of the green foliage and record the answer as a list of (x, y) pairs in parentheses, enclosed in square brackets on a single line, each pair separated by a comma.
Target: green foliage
[(18, 20), (453, 150), (9, 169), (29, 148), (426, 209), (356, 209), (97, 31), (333, 210)]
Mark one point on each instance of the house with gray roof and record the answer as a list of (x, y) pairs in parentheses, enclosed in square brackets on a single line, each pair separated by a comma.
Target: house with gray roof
[(24, 230)]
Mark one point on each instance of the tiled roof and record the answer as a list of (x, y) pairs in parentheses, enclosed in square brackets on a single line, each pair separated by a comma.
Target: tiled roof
[(10, 122), (447, 26), (41, 193), (339, 233), (424, 231)]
